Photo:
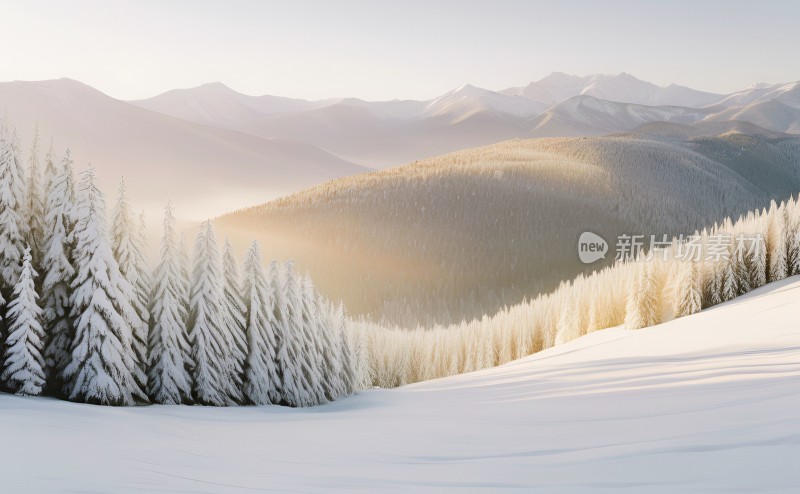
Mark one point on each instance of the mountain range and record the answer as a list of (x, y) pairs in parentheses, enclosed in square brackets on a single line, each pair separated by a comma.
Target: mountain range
[(242, 149), (380, 134), (211, 149), (204, 170)]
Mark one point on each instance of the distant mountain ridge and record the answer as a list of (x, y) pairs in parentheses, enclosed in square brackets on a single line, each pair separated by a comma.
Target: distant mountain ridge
[(245, 149), (202, 169), (623, 88), (385, 133)]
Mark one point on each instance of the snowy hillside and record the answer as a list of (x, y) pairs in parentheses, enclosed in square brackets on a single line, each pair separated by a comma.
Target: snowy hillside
[(461, 235), (706, 403)]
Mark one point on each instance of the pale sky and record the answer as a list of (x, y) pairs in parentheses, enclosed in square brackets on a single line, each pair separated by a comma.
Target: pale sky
[(393, 49)]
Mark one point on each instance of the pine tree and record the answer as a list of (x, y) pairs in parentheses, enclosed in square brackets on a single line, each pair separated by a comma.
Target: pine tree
[(235, 319), (776, 242), (58, 274), (642, 307), (144, 282), (23, 370), (262, 382), (183, 261), (129, 253), (102, 364), (212, 383), (327, 349), (51, 171), (688, 299), (792, 220), (729, 285), (169, 379), (742, 268), (758, 263), (287, 359), (302, 347), (348, 377), (12, 231), (715, 283), (569, 323), (35, 199)]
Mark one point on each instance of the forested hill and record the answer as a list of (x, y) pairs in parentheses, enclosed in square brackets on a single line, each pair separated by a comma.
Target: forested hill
[(464, 234)]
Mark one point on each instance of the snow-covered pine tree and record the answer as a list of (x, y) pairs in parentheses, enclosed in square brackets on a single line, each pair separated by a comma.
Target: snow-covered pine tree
[(364, 373), (129, 254), (34, 209), (776, 243), (58, 273), (23, 370), (309, 341), (261, 379), (235, 318), (742, 266), (212, 383), (183, 260), (348, 376), (569, 322), (21, 189), (688, 293), (144, 280), (792, 220), (102, 366), (169, 378), (715, 283), (758, 260), (593, 316), (328, 355), (51, 171), (288, 361), (729, 286), (12, 219), (642, 307)]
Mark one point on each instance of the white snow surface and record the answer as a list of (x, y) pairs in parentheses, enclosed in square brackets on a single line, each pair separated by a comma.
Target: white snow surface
[(707, 403)]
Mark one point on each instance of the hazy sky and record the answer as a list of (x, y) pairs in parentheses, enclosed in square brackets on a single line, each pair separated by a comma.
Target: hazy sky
[(393, 49)]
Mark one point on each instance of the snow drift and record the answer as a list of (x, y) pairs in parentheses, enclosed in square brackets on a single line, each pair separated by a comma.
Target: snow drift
[(703, 403)]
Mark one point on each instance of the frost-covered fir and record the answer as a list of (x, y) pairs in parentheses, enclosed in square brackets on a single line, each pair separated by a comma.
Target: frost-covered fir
[(128, 249), (302, 349), (213, 383), (348, 372), (12, 214), (23, 368), (35, 204), (102, 367), (642, 308), (329, 347), (688, 298), (58, 271), (169, 379), (261, 379), (287, 363), (235, 318), (776, 243)]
